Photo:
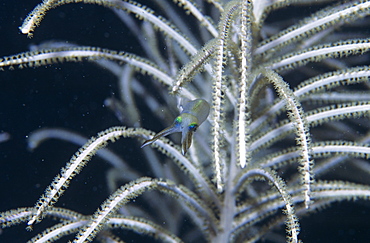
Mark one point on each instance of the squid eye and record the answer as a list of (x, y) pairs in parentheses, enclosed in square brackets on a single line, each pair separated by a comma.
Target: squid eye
[(178, 120), (193, 127)]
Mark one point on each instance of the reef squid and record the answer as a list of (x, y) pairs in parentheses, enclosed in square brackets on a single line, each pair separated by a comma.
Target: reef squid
[(195, 112)]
